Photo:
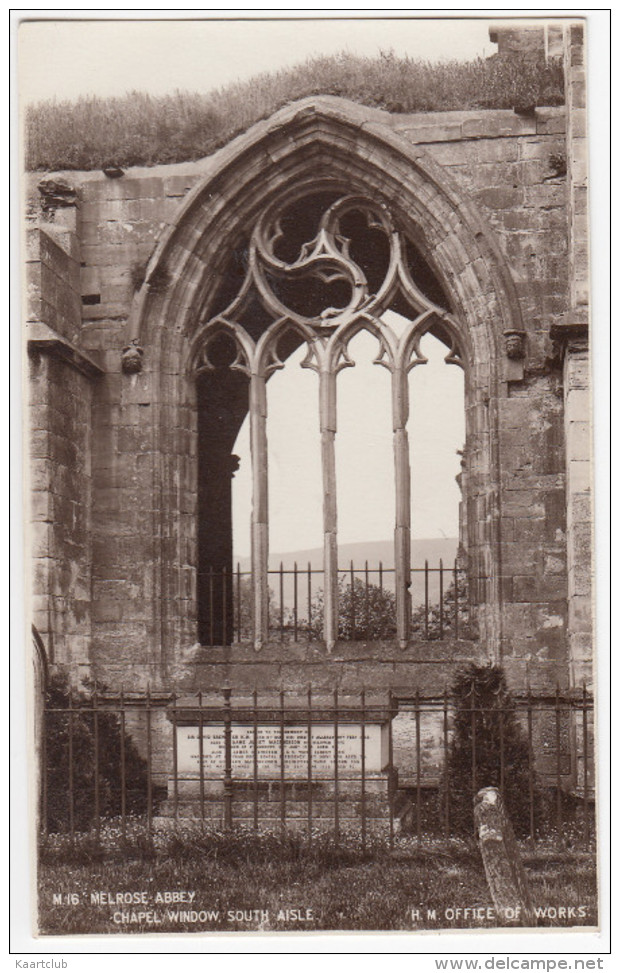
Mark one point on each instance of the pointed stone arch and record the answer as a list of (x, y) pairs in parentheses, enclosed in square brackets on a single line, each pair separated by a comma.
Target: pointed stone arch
[(319, 144)]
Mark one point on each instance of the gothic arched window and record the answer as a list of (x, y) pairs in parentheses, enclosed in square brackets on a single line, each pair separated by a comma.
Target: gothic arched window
[(314, 270)]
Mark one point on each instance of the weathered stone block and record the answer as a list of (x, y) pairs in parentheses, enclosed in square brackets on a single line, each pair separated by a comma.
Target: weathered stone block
[(42, 542), (99, 312), (125, 188), (578, 445), (179, 186), (536, 589), (581, 649), (554, 564), (499, 123), (522, 504), (581, 543), (580, 611), (501, 198), (579, 510), (521, 557), (579, 477), (550, 124)]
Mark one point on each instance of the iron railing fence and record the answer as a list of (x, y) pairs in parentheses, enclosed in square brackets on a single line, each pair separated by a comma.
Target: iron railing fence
[(439, 603), (334, 762)]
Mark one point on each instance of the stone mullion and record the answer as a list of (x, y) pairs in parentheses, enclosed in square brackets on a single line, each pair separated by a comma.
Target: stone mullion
[(402, 478), (328, 421), (260, 509)]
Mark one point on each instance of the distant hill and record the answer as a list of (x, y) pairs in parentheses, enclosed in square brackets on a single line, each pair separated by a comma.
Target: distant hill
[(433, 550)]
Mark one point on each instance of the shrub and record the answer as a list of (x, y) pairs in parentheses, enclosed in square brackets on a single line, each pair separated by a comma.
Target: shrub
[(62, 731), (370, 613), (364, 611), (440, 624), (485, 718)]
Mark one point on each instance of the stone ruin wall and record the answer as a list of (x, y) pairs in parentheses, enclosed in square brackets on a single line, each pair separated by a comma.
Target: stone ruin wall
[(89, 240)]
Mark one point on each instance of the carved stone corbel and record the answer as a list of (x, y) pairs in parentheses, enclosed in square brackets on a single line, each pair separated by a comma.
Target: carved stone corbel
[(515, 345), (131, 359)]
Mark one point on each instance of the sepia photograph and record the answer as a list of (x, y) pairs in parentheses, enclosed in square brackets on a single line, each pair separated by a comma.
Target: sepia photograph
[(307, 406)]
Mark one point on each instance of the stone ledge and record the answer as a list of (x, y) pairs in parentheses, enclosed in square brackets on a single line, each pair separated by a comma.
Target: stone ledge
[(41, 338), (574, 324), (418, 650)]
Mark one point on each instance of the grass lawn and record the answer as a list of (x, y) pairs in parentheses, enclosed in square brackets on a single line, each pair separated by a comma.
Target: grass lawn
[(408, 891)]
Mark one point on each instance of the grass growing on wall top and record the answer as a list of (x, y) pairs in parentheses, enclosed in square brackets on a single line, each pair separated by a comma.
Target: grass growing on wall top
[(139, 129)]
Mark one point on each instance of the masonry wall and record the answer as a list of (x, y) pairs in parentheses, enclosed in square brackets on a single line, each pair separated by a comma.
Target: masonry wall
[(512, 169), (53, 278), (60, 433), (573, 347), (510, 166), (60, 429)]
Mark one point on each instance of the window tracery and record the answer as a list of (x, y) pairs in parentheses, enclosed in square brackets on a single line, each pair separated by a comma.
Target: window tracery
[(355, 268)]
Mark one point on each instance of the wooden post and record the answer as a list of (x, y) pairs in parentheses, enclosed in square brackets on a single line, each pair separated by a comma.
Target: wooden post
[(260, 510), (502, 863), (328, 419), (402, 529)]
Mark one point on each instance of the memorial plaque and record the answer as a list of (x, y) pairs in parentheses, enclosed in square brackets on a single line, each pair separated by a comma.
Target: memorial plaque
[(271, 749)]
